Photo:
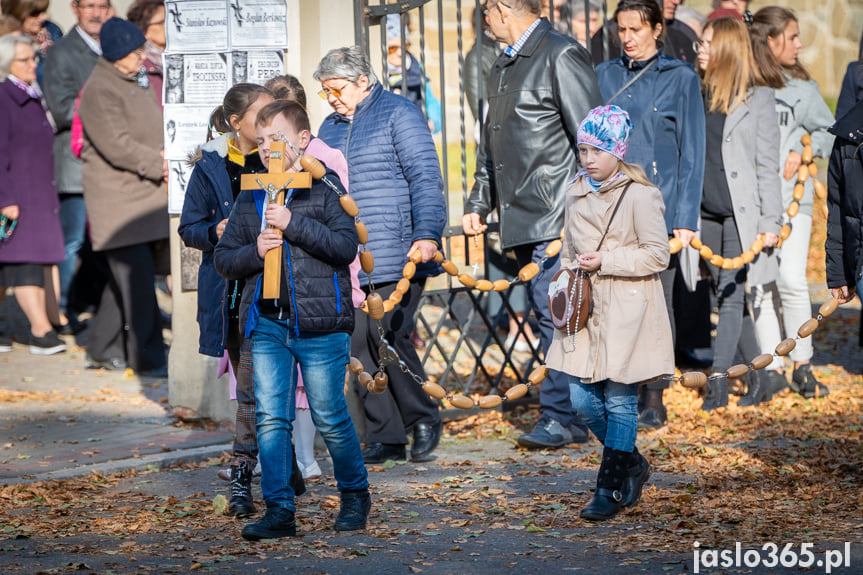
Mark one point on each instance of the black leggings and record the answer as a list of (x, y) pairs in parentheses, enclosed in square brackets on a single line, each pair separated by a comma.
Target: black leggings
[(735, 330)]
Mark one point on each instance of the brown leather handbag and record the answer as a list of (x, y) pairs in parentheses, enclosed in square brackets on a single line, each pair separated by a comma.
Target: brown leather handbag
[(570, 294)]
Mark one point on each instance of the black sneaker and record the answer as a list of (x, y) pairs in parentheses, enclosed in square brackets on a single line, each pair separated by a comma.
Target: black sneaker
[(778, 383), (241, 503), (652, 419), (48, 344), (548, 434), (805, 383), (72, 327), (381, 452), (580, 432), (5, 343), (278, 522)]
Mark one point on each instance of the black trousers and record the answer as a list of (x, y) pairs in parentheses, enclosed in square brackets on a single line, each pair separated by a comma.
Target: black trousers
[(128, 324), (392, 414), (668, 277), (736, 329)]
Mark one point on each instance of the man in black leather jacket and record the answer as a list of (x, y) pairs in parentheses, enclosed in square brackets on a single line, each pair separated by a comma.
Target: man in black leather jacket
[(539, 90)]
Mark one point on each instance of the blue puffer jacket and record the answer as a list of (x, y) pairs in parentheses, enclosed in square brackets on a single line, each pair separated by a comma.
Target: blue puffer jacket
[(668, 132), (395, 179), (208, 201)]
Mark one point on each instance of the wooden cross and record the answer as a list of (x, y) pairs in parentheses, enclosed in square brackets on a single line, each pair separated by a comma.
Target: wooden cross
[(275, 183)]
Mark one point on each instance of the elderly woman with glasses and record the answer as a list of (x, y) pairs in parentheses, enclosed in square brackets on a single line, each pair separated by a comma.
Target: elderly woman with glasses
[(28, 199), (396, 180), (33, 15)]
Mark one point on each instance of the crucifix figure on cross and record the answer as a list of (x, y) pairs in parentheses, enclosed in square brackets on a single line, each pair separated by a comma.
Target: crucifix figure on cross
[(275, 183)]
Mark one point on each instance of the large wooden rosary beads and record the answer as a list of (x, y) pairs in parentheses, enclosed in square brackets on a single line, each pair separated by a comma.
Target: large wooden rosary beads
[(807, 169), (376, 307)]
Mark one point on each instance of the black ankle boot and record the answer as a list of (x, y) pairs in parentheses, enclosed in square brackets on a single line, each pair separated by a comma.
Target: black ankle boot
[(653, 414), (354, 511), (717, 392), (637, 474), (805, 383), (606, 501), (298, 484), (241, 503), (757, 389), (277, 522)]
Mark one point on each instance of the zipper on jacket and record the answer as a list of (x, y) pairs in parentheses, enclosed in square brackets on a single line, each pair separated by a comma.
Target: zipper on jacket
[(655, 171), (338, 294), (234, 295), (290, 196), (348, 137), (225, 323)]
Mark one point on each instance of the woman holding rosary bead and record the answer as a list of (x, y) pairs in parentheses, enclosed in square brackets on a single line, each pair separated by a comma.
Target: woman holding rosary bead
[(741, 199)]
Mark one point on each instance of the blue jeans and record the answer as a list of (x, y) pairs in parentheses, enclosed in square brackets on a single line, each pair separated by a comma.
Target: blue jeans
[(323, 358), (610, 410), (73, 221)]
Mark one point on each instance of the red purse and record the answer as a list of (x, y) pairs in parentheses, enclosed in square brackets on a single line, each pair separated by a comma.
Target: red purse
[(570, 294)]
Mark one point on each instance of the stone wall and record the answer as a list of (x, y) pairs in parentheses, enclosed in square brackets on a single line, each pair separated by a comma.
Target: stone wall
[(830, 31)]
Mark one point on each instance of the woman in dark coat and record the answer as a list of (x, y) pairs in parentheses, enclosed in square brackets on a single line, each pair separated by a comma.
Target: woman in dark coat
[(127, 204), (741, 200), (27, 192), (663, 98)]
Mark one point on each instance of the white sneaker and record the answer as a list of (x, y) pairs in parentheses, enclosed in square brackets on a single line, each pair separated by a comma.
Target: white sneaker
[(521, 345), (310, 472), (225, 474)]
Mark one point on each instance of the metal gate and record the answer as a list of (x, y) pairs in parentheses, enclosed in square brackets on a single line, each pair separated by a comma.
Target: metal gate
[(464, 350)]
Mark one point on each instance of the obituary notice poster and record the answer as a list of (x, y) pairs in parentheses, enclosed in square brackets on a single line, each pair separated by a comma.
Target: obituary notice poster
[(212, 45), (256, 66), (186, 128), (195, 78), (259, 23), (178, 178), (196, 26)]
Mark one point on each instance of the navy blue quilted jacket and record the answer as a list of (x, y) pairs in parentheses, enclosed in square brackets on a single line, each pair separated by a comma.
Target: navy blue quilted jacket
[(395, 178)]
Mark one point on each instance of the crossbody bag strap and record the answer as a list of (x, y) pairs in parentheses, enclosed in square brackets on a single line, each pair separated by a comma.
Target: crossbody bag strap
[(632, 80), (616, 206)]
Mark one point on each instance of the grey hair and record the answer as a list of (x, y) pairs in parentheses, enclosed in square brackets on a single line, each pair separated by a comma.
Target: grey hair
[(7, 51), (349, 63), (525, 7)]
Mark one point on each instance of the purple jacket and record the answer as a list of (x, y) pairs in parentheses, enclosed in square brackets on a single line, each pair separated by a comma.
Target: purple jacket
[(27, 179)]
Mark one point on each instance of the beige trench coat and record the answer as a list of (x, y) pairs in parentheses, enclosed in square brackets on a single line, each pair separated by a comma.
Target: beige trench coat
[(627, 339), (127, 203)]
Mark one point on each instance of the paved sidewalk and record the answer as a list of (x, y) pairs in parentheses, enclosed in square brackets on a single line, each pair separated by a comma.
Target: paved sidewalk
[(59, 419)]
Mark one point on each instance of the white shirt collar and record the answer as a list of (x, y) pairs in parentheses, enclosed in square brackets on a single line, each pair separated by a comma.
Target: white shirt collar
[(91, 43)]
